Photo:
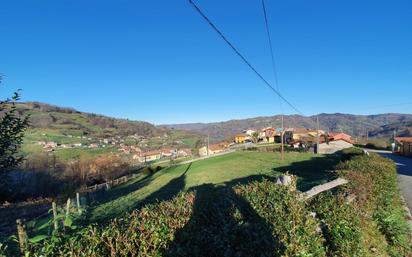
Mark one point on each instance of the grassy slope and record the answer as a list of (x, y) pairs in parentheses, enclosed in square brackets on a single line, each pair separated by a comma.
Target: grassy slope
[(78, 124), (238, 167)]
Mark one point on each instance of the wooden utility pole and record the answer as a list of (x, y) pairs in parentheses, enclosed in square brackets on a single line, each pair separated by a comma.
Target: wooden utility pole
[(317, 139), (282, 134), (208, 144)]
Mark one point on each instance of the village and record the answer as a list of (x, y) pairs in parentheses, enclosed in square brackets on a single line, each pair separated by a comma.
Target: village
[(301, 139), (297, 138)]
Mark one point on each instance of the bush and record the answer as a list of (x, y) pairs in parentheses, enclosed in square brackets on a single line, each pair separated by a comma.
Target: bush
[(349, 153), (341, 228), (292, 226), (259, 219), (142, 233), (373, 180)]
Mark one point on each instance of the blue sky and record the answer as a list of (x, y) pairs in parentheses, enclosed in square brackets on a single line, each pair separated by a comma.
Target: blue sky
[(158, 61)]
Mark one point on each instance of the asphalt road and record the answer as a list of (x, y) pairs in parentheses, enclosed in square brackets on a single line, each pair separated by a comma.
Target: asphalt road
[(404, 167)]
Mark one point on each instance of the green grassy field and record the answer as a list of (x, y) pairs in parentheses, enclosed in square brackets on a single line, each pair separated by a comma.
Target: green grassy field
[(226, 170), (69, 154)]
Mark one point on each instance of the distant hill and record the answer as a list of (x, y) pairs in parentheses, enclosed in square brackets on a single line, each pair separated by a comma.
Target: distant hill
[(68, 121), (71, 121), (50, 123), (380, 125)]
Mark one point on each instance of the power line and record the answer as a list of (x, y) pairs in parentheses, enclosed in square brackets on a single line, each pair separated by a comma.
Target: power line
[(241, 56), (275, 75), (272, 55)]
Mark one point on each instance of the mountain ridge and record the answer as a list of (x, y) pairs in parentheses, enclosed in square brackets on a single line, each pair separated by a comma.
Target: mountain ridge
[(376, 125)]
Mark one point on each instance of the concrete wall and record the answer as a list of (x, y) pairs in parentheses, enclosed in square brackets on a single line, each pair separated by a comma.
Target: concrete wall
[(333, 146)]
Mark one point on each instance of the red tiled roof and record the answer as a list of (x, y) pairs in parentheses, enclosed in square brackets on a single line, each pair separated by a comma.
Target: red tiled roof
[(300, 130), (334, 136), (167, 150), (333, 133), (216, 147), (404, 139)]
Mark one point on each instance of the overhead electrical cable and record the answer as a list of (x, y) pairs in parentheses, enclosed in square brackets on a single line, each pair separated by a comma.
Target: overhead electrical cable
[(272, 55), (200, 12)]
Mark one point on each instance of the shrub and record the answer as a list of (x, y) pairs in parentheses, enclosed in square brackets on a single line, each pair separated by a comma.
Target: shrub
[(349, 153), (373, 180), (341, 228), (142, 233), (292, 226), (259, 219)]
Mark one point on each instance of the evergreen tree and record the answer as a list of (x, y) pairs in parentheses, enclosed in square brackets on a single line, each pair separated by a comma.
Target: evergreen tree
[(12, 127)]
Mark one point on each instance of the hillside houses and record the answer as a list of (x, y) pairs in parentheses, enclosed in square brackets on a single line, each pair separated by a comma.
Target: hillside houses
[(155, 155), (150, 156), (242, 138), (185, 152), (169, 152), (403, 146), (301, 138), (213, 149)]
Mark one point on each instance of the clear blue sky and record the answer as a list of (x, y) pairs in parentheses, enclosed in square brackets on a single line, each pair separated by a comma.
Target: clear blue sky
[(159, 61)]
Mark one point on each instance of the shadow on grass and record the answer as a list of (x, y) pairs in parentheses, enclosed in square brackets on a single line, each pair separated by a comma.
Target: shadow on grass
[(168, 191), (224, 224), (311, 172), (122, 190)]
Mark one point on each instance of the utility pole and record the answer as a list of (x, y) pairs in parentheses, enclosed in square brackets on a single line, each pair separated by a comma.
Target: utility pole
[(208, 144), (317, 139), (282, 134)]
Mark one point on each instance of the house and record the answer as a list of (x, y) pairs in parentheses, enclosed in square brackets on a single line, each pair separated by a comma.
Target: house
[(269, 135), (216, 148), (298, 133), (262, 134), (334, 136), (149, 156), (184, 152), (168, 152), (241, 138), (93, 145), (315, 132), (203, 151), (250, 132), (403, 145), (337, 141), (213, 149), (226, 144)]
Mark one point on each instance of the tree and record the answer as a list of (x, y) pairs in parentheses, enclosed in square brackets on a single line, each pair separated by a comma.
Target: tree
[(195, 149), (12, 128), (255, 136)]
